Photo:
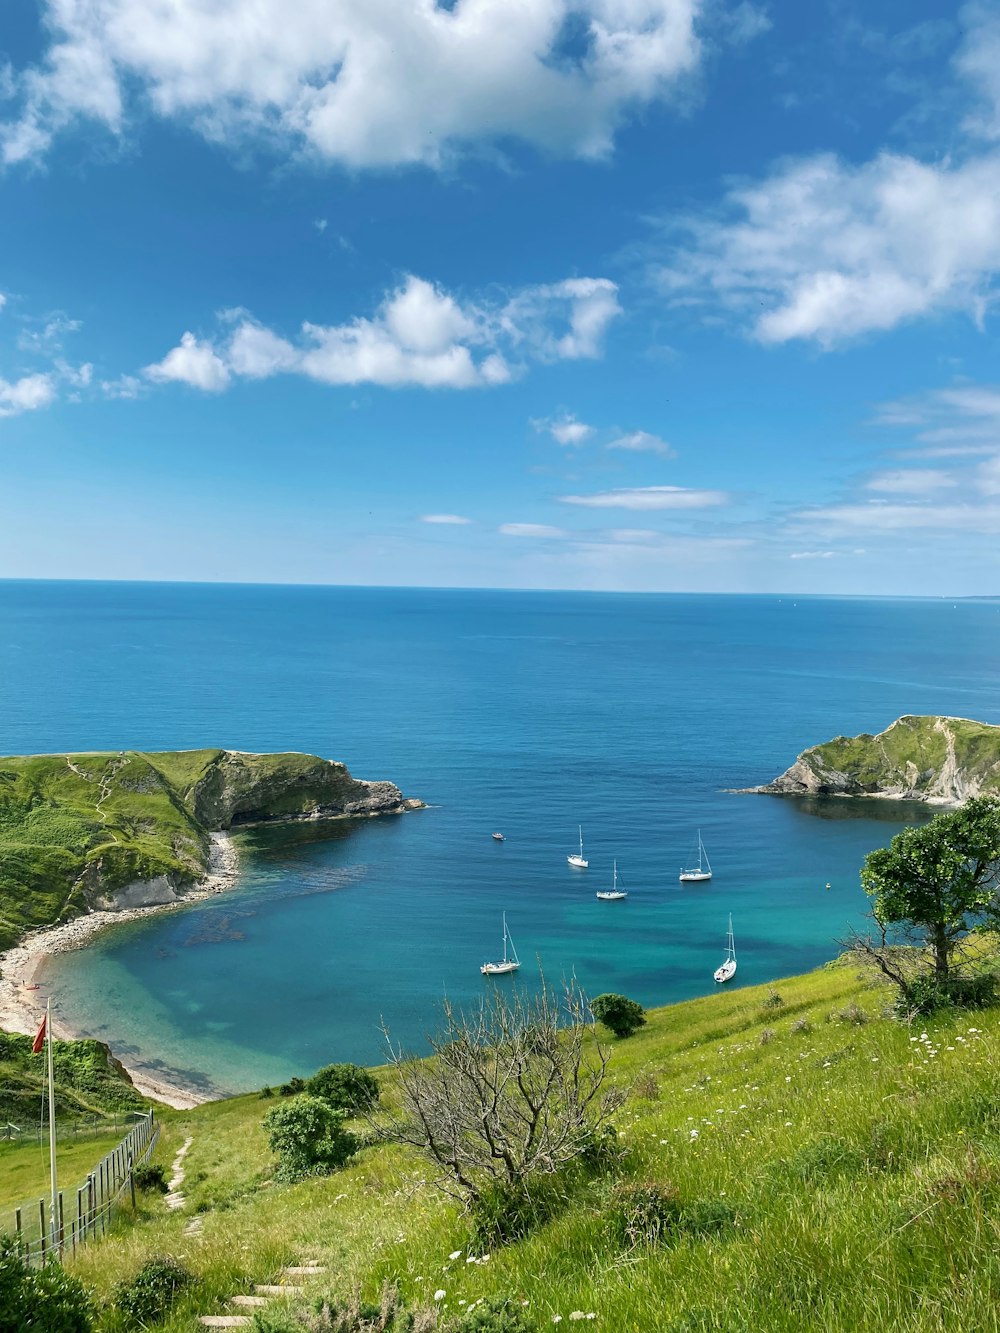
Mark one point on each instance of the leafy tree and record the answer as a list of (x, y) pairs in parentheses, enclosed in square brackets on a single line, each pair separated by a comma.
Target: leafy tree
[(308, 1137), (618, 1013), (346, 1087), (46, 1300), (930, 889)]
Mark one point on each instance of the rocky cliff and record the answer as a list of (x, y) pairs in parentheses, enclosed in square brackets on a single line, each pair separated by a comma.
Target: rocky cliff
[(129, 829), (941, 760)]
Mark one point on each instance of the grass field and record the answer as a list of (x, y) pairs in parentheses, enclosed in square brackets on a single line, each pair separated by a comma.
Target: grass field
[(24, 1168), (850, 1164)]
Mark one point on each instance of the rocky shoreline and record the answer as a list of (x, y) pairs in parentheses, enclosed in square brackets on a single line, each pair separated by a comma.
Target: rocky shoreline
[(23, 966)]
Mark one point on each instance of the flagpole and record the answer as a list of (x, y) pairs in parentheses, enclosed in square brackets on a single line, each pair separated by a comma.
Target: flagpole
[(54, 1218)]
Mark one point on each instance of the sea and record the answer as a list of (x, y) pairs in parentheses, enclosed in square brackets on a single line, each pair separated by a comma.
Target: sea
[(528, 713)]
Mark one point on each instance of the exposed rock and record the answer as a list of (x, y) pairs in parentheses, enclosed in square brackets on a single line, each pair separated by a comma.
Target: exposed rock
[(940, 760)]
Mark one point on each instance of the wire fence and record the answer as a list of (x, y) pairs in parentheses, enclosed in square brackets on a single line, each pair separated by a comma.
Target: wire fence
[(96, 1204), (92, 1127)]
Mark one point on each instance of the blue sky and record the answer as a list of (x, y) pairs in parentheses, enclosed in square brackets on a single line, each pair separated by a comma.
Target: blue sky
[(623, 294)]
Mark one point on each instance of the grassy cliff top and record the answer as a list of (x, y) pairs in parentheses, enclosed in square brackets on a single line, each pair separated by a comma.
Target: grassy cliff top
[(845, 1170), (933, 758), (77, 828)]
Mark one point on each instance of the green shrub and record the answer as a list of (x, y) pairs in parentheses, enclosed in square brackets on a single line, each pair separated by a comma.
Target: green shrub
[(147, 1297), (506, 1212), (494, 1315), (927, 995), (773, 1001), (854, 1014), (619, 1014), (766, 1036), (292, 1088), (346, 1087), (151, 1177), (802, 1025), (47, 1300), (643, 1214), (308, 1137)]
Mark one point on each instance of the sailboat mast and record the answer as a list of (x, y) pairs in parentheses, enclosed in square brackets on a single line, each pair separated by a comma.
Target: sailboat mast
[(54, 1217), (505, 937)]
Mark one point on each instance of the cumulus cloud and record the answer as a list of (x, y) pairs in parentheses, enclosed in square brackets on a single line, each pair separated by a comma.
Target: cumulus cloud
[(647, 497), (978, 61), (641, 442), (366, 83), (26, 394), (192, 362), (530, 530), (419, 335), (825, 251), (565, 429), (452, 519)]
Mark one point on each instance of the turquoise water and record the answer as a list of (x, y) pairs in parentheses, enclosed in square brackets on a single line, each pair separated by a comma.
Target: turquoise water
[(527, 712)]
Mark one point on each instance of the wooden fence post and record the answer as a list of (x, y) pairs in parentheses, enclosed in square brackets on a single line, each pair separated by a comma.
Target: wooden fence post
[(131, 1179)]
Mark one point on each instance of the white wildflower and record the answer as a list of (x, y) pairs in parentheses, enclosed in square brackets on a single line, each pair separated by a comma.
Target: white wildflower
[(440, 1294), (454, 1254)]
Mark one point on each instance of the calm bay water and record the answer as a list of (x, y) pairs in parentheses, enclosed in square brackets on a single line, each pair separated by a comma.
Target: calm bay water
[(527, 712)]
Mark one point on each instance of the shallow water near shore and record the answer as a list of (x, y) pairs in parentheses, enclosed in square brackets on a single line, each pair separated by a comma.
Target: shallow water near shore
[(525, 712)]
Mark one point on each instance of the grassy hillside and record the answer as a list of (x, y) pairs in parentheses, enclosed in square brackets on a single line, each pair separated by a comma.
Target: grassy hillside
[(842, 1172), (76, 829), (921, 758), (89, 1083)]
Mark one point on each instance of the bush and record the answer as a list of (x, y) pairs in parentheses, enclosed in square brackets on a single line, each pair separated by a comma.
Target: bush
[(646, 1087), (308, 1137), (151, 1177), (643, 1214), (147, 1297), (802, 1025), (505, 1212), (292, 1088), (618, 1013), (926, 994), (346, 1087), (350, 1316), (854, 1014), (766, 1036), (773, 1001), (45, 1301), (493, 1315)]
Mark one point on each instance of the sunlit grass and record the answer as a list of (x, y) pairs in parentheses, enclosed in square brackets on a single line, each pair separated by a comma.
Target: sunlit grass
[(861, 1160)]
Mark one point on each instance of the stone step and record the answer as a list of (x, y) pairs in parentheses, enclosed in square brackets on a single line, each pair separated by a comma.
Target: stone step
[(224, 1320), (247, 1301), (302, 1271), (265, 1289)]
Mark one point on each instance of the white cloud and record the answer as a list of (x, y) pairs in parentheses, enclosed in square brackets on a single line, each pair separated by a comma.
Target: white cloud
[(581, 308), (911, 481), (321, 225), (811, 555), (978, 61), (26, 394), (125, 386), (419, 335), (632, 536), (192, 362), (49, 338), (640, 441), (647, 497), (366, 83), (565, 429), (745, 22), (961, 420), (530, 530), (3, 300), (455, 519), (883, 516), (825, 251)]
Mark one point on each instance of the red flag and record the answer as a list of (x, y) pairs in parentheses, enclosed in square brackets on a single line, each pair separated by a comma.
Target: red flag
[(39, 1041)]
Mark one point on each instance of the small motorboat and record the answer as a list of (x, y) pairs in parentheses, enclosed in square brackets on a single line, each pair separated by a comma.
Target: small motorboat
[(498, 837)]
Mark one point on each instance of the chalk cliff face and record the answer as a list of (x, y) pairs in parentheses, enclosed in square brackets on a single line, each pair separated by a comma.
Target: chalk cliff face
[(940, 760)]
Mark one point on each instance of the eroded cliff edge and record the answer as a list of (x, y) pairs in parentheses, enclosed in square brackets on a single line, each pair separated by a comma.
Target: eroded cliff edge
[(940, 760), (80, 832)]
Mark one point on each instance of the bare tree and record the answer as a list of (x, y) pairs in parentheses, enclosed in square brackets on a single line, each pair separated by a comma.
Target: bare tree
[(513, 1088)]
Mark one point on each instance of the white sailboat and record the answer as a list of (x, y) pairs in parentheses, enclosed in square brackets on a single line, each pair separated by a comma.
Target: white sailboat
[(728, 969), (510, 964), (702, 871), (613, 894), (580, 861)]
